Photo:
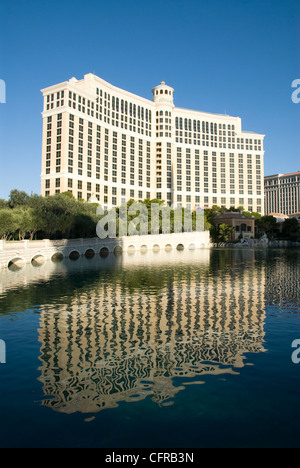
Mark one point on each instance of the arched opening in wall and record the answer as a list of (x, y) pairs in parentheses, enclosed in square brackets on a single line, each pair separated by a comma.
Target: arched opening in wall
[(38, 260), (57, 257), (144, 249), (202, 246), (192, 247), (16, 264), (168, 248), (74, 255), (90, 253), (118, 251), (104, 252), (180, 247), (156, 248), (131, 250)]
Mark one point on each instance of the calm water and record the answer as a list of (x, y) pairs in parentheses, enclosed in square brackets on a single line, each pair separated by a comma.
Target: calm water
[(179, 349)]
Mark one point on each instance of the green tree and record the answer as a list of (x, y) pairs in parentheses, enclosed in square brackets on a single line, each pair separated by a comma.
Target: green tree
[(266, 225), (251, 214), (84, 226), (18, 198), (56, 214), (224, 233), (3, 204), (210, 215), (8, 224), (27, 222), (68, 195), (291, 228), (233, 209)]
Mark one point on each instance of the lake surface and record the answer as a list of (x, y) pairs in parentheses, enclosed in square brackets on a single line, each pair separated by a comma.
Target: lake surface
[(168, 349)]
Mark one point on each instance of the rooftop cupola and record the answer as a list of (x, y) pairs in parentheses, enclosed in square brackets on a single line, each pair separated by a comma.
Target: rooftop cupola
[(163, 94)]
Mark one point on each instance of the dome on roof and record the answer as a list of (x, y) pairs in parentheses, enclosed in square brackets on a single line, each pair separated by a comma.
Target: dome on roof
[(163, 94)]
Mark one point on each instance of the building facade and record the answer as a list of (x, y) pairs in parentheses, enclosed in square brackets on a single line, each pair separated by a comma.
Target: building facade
[(243, 226), (104, 143), (282, 194)]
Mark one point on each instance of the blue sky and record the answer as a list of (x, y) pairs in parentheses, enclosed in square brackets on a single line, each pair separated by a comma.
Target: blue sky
[(233, 56)]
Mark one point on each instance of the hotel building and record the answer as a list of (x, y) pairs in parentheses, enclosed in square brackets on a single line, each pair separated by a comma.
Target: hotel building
[(282, 194), (100, 142)]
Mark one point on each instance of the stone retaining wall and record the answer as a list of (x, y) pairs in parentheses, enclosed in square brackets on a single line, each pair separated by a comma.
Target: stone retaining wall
[(35, 251)]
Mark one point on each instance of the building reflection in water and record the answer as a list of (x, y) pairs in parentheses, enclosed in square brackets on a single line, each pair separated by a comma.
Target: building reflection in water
[(283, 279), (130, 334)]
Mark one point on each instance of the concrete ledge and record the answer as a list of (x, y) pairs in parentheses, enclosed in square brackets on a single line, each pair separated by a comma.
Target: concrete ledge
[(21, 252)]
